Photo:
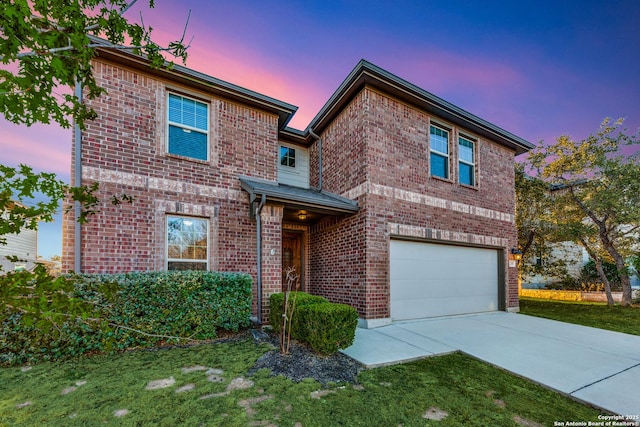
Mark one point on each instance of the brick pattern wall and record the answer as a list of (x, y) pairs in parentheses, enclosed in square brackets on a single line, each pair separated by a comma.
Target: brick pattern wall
[(383, 143), (271, 217), (125, 149), (375, 151)]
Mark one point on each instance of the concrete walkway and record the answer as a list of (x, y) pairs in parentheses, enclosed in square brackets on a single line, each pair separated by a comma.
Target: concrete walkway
[(596, 366)]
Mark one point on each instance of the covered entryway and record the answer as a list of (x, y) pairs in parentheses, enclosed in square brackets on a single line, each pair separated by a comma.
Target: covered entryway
[(292, 265), (431, 280)]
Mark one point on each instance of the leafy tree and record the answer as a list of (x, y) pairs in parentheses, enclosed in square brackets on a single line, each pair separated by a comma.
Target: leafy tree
[(45, 45), (535, 225), (46, 48), (597, 195)]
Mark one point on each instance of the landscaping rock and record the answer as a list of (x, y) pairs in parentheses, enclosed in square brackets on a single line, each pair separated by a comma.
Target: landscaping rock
[(68, 390), (525, 422), (186, 387), (239, 384), (248, 403), (163, 383), (120, 413), (214, 371), (215, 379), (436, 414), (24, 404), (321, 393), (196, 368)]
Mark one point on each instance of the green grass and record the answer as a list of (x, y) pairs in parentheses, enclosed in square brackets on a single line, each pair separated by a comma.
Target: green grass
[(597, 315), (471, 392)]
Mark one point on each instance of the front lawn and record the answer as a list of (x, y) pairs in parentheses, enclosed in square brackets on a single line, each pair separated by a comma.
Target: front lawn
[(597, 315), (209, 385)]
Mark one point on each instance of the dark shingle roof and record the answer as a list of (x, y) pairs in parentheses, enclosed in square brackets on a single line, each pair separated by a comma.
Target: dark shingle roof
[(300, 197)]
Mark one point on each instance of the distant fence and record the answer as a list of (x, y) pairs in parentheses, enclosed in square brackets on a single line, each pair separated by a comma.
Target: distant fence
[(560, 295)]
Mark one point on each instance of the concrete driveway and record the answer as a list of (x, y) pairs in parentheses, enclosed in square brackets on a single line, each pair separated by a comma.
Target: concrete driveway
[(596, 366)]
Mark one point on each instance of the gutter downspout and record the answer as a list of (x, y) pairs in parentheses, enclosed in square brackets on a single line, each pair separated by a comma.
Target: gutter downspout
[(319, 140), (77, 240), (259, 250)]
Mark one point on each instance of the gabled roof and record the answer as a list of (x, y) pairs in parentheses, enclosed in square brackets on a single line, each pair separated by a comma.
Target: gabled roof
[(367, 74), (198, 80), (364, 74), (319, 201)]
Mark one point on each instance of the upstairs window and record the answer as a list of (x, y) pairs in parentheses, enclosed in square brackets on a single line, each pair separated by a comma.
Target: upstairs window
[(439, 152), (187, 243), (466, 162), (288, 156), (188, 127)]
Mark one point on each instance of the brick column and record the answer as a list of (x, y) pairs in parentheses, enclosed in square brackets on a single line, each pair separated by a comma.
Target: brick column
[(271, 217)]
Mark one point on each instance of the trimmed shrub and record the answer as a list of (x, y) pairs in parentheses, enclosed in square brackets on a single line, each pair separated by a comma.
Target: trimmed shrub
[(128, 310), (328, 327), (325, 326), (276, 302)]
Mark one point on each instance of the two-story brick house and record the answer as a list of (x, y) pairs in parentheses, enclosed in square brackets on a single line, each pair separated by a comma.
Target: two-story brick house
[(392, 200)]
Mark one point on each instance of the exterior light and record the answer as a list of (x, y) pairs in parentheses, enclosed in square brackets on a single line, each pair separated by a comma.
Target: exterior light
[(302, 215), (516, 254)]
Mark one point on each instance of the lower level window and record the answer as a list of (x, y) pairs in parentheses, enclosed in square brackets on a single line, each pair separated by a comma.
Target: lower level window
[(187, 243)]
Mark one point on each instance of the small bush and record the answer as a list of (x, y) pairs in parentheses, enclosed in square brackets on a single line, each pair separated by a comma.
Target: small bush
[(591, 281), (328, 327), (276, 303)]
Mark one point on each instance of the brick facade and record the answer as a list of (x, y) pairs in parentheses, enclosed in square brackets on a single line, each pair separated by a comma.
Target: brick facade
[(377, 134), (374, 151)]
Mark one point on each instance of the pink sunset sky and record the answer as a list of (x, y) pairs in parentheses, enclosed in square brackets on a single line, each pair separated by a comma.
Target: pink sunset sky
[(538, 69)]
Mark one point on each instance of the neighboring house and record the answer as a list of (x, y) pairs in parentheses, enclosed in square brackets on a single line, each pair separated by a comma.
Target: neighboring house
[(24, 246), (574, 256), (392, 200)]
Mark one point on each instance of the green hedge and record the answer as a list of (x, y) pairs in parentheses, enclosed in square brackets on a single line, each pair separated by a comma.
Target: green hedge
[(129, 310), (325, 326), (276, 304)]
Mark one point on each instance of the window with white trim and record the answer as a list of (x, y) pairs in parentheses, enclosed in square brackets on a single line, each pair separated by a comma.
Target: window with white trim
[(188, 127), (439, 152), (187, 243), (466, 161)]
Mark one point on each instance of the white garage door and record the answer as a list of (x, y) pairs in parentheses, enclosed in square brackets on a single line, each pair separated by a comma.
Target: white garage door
[(429, 280)]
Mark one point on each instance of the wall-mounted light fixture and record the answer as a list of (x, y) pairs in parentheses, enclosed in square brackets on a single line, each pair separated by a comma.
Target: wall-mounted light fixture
[(302, 215), (516, 254)]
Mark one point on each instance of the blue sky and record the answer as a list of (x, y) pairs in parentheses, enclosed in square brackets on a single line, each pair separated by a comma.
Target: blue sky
[(536, 68)]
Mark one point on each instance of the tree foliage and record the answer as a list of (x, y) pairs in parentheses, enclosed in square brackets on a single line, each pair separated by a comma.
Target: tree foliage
[(27, 197), (535, 225), (595, 194), (46, 45), (46, 48)]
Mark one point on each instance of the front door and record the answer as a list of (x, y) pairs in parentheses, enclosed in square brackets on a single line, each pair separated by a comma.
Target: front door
[(292, 266)]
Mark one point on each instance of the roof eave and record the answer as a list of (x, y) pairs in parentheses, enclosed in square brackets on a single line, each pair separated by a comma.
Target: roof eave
[(274, 194), (198, 80), (367, 74)]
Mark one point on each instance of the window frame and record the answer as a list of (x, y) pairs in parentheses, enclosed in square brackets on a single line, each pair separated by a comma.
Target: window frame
[(204, 261), (432, 152), (473, 142), (287, 156), (187, 127)]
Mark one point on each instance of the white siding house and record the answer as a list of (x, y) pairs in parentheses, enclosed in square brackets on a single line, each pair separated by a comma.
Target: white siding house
[(293, 165), (24, 246)]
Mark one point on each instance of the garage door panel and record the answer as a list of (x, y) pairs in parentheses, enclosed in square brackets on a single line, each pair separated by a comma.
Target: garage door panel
[(429, 280), (414, 309)]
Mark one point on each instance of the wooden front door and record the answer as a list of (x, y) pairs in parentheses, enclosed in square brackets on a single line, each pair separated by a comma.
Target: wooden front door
[(292, 260)]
